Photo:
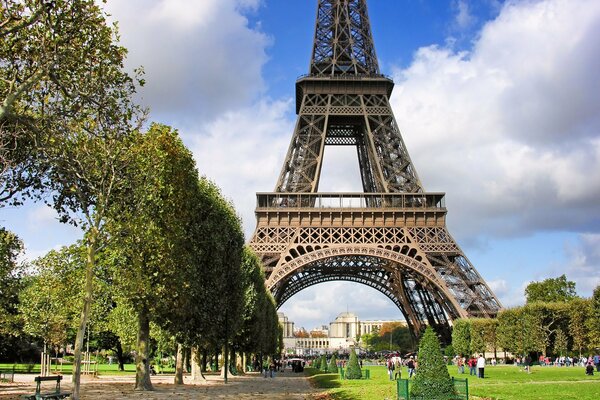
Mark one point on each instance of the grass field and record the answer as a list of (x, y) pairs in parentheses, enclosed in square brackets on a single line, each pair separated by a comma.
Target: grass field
[(103, 369), (500, 383)]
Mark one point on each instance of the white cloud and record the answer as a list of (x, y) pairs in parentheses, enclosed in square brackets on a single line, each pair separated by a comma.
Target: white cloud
[(510, 130), (463, 18), (243, 152), (321, 304), (584, 265), (41, 217), (200, 57)]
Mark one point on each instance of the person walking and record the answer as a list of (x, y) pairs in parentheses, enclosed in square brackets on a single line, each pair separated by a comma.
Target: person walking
[(398, 373), (472, 363), (480, 365), (460, 362), (390, 368), (411, 367)]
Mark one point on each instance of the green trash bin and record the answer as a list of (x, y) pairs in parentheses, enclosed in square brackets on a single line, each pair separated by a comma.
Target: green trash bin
[(342, 373), (402, 389)]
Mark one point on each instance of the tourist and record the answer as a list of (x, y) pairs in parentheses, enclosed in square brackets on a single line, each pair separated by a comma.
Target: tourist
[(460, 362), (398, 373), (527, 363), (390, 367), (472, 363), (411, 367), (589, 369), (480, 366)]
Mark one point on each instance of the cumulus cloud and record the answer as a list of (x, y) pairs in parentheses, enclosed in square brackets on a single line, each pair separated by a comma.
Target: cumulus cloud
[(200, 57), (243, 152), (510, 128), (321, 304)]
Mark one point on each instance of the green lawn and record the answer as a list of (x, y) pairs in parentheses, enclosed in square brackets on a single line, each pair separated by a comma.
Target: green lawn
[(66, 369), (500, 383)]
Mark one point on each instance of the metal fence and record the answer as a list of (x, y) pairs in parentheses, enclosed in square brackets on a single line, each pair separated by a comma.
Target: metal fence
[(461, 386)]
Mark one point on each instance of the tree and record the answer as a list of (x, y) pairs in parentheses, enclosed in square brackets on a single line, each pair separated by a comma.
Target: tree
[(149, 244), (551, 290), (561, 343), (432, 380), (51, 300), (58, 65), (594, 321), (323, 366), (353, 370), (332, 368), (66, 110), (579, 315), (10, 282), (478, 344), (461, 337)]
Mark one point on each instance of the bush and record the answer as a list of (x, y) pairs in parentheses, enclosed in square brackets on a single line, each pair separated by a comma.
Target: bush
[(432, 380), (323, 366), (353, 371), (333, 365)]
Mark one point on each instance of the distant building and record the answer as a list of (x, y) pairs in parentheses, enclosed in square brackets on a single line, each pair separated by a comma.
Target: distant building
[(342, 334), (288, 326)]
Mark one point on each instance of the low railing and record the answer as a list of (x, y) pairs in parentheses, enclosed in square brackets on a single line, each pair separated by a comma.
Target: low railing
[(278, 201), (461, 387)]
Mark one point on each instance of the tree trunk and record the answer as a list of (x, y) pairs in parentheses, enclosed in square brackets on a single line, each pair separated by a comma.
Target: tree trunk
[(119, 351), (85, 312), (205, 359), (179, 365), (142, 368), (197, 376)]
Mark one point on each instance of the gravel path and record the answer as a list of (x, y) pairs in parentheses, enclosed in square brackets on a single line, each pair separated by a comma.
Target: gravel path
[(250, 386)]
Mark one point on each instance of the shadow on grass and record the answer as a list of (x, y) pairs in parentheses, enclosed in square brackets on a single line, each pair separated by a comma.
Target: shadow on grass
[(325, 381)]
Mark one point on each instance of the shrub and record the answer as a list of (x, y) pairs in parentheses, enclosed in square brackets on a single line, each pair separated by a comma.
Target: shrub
[(333, 365), (432, 380), (353, 371), (323, 366), (316, 364)]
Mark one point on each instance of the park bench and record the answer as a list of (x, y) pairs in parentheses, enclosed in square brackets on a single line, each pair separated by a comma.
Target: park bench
[(7, 376), (56, 394)]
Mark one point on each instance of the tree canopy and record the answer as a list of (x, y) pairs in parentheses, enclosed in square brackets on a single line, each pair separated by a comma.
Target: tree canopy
[(551, 289)]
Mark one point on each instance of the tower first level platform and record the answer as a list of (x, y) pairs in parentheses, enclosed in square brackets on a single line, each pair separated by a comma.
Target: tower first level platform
[(396, 243)]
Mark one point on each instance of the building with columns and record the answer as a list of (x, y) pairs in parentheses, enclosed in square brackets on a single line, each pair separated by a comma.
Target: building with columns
[(343, 333)]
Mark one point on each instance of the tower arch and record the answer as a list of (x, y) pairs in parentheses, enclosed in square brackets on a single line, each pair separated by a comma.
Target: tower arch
[(393, 235)]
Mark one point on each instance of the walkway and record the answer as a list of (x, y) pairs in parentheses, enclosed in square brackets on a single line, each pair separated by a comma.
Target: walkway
[(286, 386)]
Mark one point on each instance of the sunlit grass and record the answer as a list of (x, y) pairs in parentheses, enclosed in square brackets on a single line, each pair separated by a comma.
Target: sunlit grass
[(500, 383)]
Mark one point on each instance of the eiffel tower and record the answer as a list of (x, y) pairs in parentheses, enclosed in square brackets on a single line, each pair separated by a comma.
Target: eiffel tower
[(393, 235)]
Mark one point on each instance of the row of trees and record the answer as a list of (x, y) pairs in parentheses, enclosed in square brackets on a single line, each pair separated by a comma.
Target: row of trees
[(161, 246), (557, 323), (391, 336)]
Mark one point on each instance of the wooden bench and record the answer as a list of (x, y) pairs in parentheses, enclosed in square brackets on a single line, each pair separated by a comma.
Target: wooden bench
[(56, 394), (8, 376)]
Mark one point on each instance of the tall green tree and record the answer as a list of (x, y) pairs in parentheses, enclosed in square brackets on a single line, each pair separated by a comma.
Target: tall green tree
[(53, 296), (461, 337), (432, 380), (579, 315), (353, 370), (551, 290), (594, 321), (149, 243), (10, 282), (66, 110)]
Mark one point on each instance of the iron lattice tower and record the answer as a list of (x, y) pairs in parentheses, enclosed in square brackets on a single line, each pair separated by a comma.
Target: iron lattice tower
[(392, 236)]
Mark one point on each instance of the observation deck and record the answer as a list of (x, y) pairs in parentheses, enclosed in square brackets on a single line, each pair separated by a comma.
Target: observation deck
[(350, 209)]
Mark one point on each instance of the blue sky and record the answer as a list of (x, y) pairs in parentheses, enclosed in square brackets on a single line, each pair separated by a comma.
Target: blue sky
[(498, 103)]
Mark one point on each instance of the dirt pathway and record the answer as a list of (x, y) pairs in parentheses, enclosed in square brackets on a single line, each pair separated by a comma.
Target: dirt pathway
[(251, 386)]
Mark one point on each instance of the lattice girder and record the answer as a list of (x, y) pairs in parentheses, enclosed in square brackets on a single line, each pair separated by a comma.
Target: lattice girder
[(388, 277), (396, 228), (343, 42)]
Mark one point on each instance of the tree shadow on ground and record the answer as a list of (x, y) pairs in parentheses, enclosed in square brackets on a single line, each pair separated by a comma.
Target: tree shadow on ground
[(324, 381)]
